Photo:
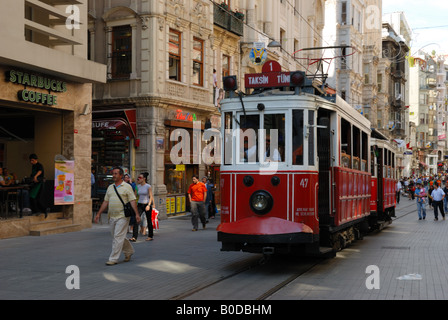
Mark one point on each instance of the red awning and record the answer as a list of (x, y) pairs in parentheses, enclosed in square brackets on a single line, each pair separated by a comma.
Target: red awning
[(113, 124)]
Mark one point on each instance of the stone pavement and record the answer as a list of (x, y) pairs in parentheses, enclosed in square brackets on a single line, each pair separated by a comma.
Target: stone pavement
[(408, 248), (179, 259)]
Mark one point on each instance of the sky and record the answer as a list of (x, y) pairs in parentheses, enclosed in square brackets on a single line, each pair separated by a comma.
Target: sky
[(424, 14)]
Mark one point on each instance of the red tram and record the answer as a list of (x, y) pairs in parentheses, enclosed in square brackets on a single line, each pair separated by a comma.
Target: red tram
[(384, 180), (310, 195)]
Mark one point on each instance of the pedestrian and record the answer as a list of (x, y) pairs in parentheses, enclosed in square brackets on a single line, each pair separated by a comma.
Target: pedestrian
[(430, 190), (445, 200), (37, 192), (197, 194), (208, 199), (212, 209), (118, 221), (145, 205), (437, 201), (411, 190), (398, 191), (420, 194)]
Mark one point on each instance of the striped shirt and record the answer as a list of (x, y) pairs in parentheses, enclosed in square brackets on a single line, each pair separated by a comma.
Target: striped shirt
[(115, 208)]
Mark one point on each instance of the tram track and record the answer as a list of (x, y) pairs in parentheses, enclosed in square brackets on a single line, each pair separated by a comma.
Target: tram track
[(276, 273), (260, 280)]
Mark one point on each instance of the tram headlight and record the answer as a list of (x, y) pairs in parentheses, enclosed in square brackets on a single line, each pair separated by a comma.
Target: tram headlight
[(261, 202)]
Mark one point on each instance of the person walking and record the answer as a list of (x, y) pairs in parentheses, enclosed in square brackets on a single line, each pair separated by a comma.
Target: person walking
[(420, 194), (118, 221), (399, 187), (445, 200), (197, 194), (437, 201), (145, 205), (208, 199)]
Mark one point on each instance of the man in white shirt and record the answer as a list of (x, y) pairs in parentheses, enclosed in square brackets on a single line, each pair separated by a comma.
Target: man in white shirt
[(437, 201), (399, 186)]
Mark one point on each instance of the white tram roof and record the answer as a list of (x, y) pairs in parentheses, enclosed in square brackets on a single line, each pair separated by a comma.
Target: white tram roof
[(287, 99)]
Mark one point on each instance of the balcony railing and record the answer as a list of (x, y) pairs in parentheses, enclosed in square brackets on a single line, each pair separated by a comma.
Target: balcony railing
[(226, 20)]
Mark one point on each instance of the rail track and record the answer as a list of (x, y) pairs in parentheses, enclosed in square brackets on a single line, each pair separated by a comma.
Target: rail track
[(259, 279)]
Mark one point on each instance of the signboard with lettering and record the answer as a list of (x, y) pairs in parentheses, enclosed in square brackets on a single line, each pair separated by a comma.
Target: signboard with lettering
[(36, 81), (269, 79)]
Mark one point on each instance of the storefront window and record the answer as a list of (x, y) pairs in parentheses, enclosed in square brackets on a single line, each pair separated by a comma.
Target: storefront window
[(174, 179), (110, 148)]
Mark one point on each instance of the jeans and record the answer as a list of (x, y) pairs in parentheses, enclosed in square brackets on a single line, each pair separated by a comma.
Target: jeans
[(445, 202), (421, 207), (142, 210), (438, 204), (197, 211)]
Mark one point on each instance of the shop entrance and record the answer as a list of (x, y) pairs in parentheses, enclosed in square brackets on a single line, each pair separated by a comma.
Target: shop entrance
[(23, 132)]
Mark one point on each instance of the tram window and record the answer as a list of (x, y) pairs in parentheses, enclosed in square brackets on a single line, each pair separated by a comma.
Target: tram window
[(356, 148), (373, 156), (364, 155), (297, 137), (228, 138), (346, 144), (249, 125), (311, 138), (274, 124)]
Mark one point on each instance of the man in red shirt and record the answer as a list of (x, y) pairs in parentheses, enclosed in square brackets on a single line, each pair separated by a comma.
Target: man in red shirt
[(197, 193)]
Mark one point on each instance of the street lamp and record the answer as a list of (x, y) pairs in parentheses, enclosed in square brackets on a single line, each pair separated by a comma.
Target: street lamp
[(274, 44)]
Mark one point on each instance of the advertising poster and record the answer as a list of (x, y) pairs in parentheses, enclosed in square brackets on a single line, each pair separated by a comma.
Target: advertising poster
[(64, 182)]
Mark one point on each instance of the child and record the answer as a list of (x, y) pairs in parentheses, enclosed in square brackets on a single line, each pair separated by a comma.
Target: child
[(420, 194)]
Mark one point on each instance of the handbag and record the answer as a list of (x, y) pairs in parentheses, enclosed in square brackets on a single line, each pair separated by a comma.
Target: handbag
[(128, 210)]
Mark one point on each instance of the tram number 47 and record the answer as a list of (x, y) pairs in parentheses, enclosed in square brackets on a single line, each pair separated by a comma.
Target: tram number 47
[(304, 183)]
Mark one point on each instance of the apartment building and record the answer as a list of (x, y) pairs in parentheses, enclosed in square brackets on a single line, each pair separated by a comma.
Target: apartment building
[(344, 27), (284, 31), (46, 99), (160, 57)]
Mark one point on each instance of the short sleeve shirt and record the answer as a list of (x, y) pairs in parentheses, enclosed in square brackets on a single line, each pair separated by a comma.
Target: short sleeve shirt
[(115, 208), (143, 193), (197, 190)]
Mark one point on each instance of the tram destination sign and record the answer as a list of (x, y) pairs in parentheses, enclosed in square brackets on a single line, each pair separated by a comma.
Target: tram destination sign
[(36, 81), (268, 79)]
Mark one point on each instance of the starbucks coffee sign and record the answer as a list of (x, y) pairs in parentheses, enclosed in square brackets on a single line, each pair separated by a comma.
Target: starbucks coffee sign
[(35, 81)]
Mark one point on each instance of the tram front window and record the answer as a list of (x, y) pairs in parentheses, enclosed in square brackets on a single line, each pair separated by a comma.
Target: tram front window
[(275, 137), (271, 139), (297, 137)]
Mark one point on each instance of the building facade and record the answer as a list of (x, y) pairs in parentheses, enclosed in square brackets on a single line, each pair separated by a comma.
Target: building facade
[(46, 99), (160, 57)]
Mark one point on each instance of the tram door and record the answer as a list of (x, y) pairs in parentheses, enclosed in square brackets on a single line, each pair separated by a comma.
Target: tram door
[(324, 154)]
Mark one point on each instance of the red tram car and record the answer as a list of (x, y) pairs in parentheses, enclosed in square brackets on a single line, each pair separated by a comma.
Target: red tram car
[(310, 195), (384, 180)]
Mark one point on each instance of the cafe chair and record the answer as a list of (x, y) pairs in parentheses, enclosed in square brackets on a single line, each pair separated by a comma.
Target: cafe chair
[(12, 201)]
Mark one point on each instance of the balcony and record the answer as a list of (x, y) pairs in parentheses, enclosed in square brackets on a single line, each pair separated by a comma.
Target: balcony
[(226, 20), (396, 102)]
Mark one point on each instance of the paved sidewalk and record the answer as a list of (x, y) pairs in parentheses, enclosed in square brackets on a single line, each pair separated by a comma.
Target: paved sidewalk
[(179, 259), (406, 248)]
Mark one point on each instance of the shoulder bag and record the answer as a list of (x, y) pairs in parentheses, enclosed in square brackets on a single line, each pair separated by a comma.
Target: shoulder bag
[(128, 210)]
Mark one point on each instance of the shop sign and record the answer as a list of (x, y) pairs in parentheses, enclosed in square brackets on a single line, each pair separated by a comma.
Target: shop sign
[(180, 167), (180, 115), (35, 81)]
